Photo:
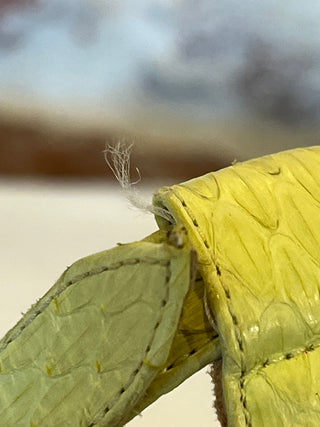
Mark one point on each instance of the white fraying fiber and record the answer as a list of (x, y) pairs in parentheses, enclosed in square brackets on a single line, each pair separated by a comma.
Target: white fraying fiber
[(118, 159)]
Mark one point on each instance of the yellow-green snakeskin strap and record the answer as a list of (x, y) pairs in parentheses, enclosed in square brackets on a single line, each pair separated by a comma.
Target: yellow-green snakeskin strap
[(117, 330), (124, 326), (256, 228)]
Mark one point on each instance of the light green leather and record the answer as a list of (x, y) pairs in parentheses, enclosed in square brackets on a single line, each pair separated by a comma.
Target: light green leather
[(107, 339), (256, 229), (241, 258)]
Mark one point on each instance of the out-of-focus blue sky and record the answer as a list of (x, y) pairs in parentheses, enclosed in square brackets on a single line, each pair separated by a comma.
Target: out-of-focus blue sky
[(91, 52), (83, 50), (190, 65)]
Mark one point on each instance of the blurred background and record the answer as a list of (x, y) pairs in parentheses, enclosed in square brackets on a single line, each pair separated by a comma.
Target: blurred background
[(193, 84)]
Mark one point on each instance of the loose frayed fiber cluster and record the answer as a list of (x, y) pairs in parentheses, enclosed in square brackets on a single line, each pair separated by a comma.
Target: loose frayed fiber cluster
[(118, 159)]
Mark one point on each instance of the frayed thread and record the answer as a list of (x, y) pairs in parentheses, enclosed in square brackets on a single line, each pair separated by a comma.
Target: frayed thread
[(118, 159)]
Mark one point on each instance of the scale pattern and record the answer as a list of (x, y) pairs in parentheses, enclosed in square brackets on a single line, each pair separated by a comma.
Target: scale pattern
[(87, 351), (256, 228)]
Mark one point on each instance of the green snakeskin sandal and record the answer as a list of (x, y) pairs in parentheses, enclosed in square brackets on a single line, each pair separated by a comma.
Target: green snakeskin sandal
[(119, 328)]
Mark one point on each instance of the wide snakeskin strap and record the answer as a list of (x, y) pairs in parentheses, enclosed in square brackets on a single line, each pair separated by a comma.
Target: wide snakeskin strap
[(256, 228)]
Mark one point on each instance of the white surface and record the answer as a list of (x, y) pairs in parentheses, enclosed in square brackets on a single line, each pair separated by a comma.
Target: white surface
[(44, 227)]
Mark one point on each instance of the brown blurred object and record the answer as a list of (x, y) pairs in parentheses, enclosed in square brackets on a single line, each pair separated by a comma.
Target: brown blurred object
[(27, 150)]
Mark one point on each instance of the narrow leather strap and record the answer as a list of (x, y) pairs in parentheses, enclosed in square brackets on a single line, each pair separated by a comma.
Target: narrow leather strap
[(116, 331), (87, 351)]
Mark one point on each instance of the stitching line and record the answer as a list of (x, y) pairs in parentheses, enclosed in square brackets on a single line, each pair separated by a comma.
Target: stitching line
[(243, 374), (181, 359), (292, 354), (96, 271), (164, 263), (233, 317), (75, 280)]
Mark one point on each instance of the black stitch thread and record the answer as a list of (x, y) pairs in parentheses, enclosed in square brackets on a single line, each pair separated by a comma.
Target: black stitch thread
[(287, 356), (239, 340), (93, 272), (165, 263), (234, 319), (266, 363), (174, 364), (244, 402), (148, 348), (241, 382)]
